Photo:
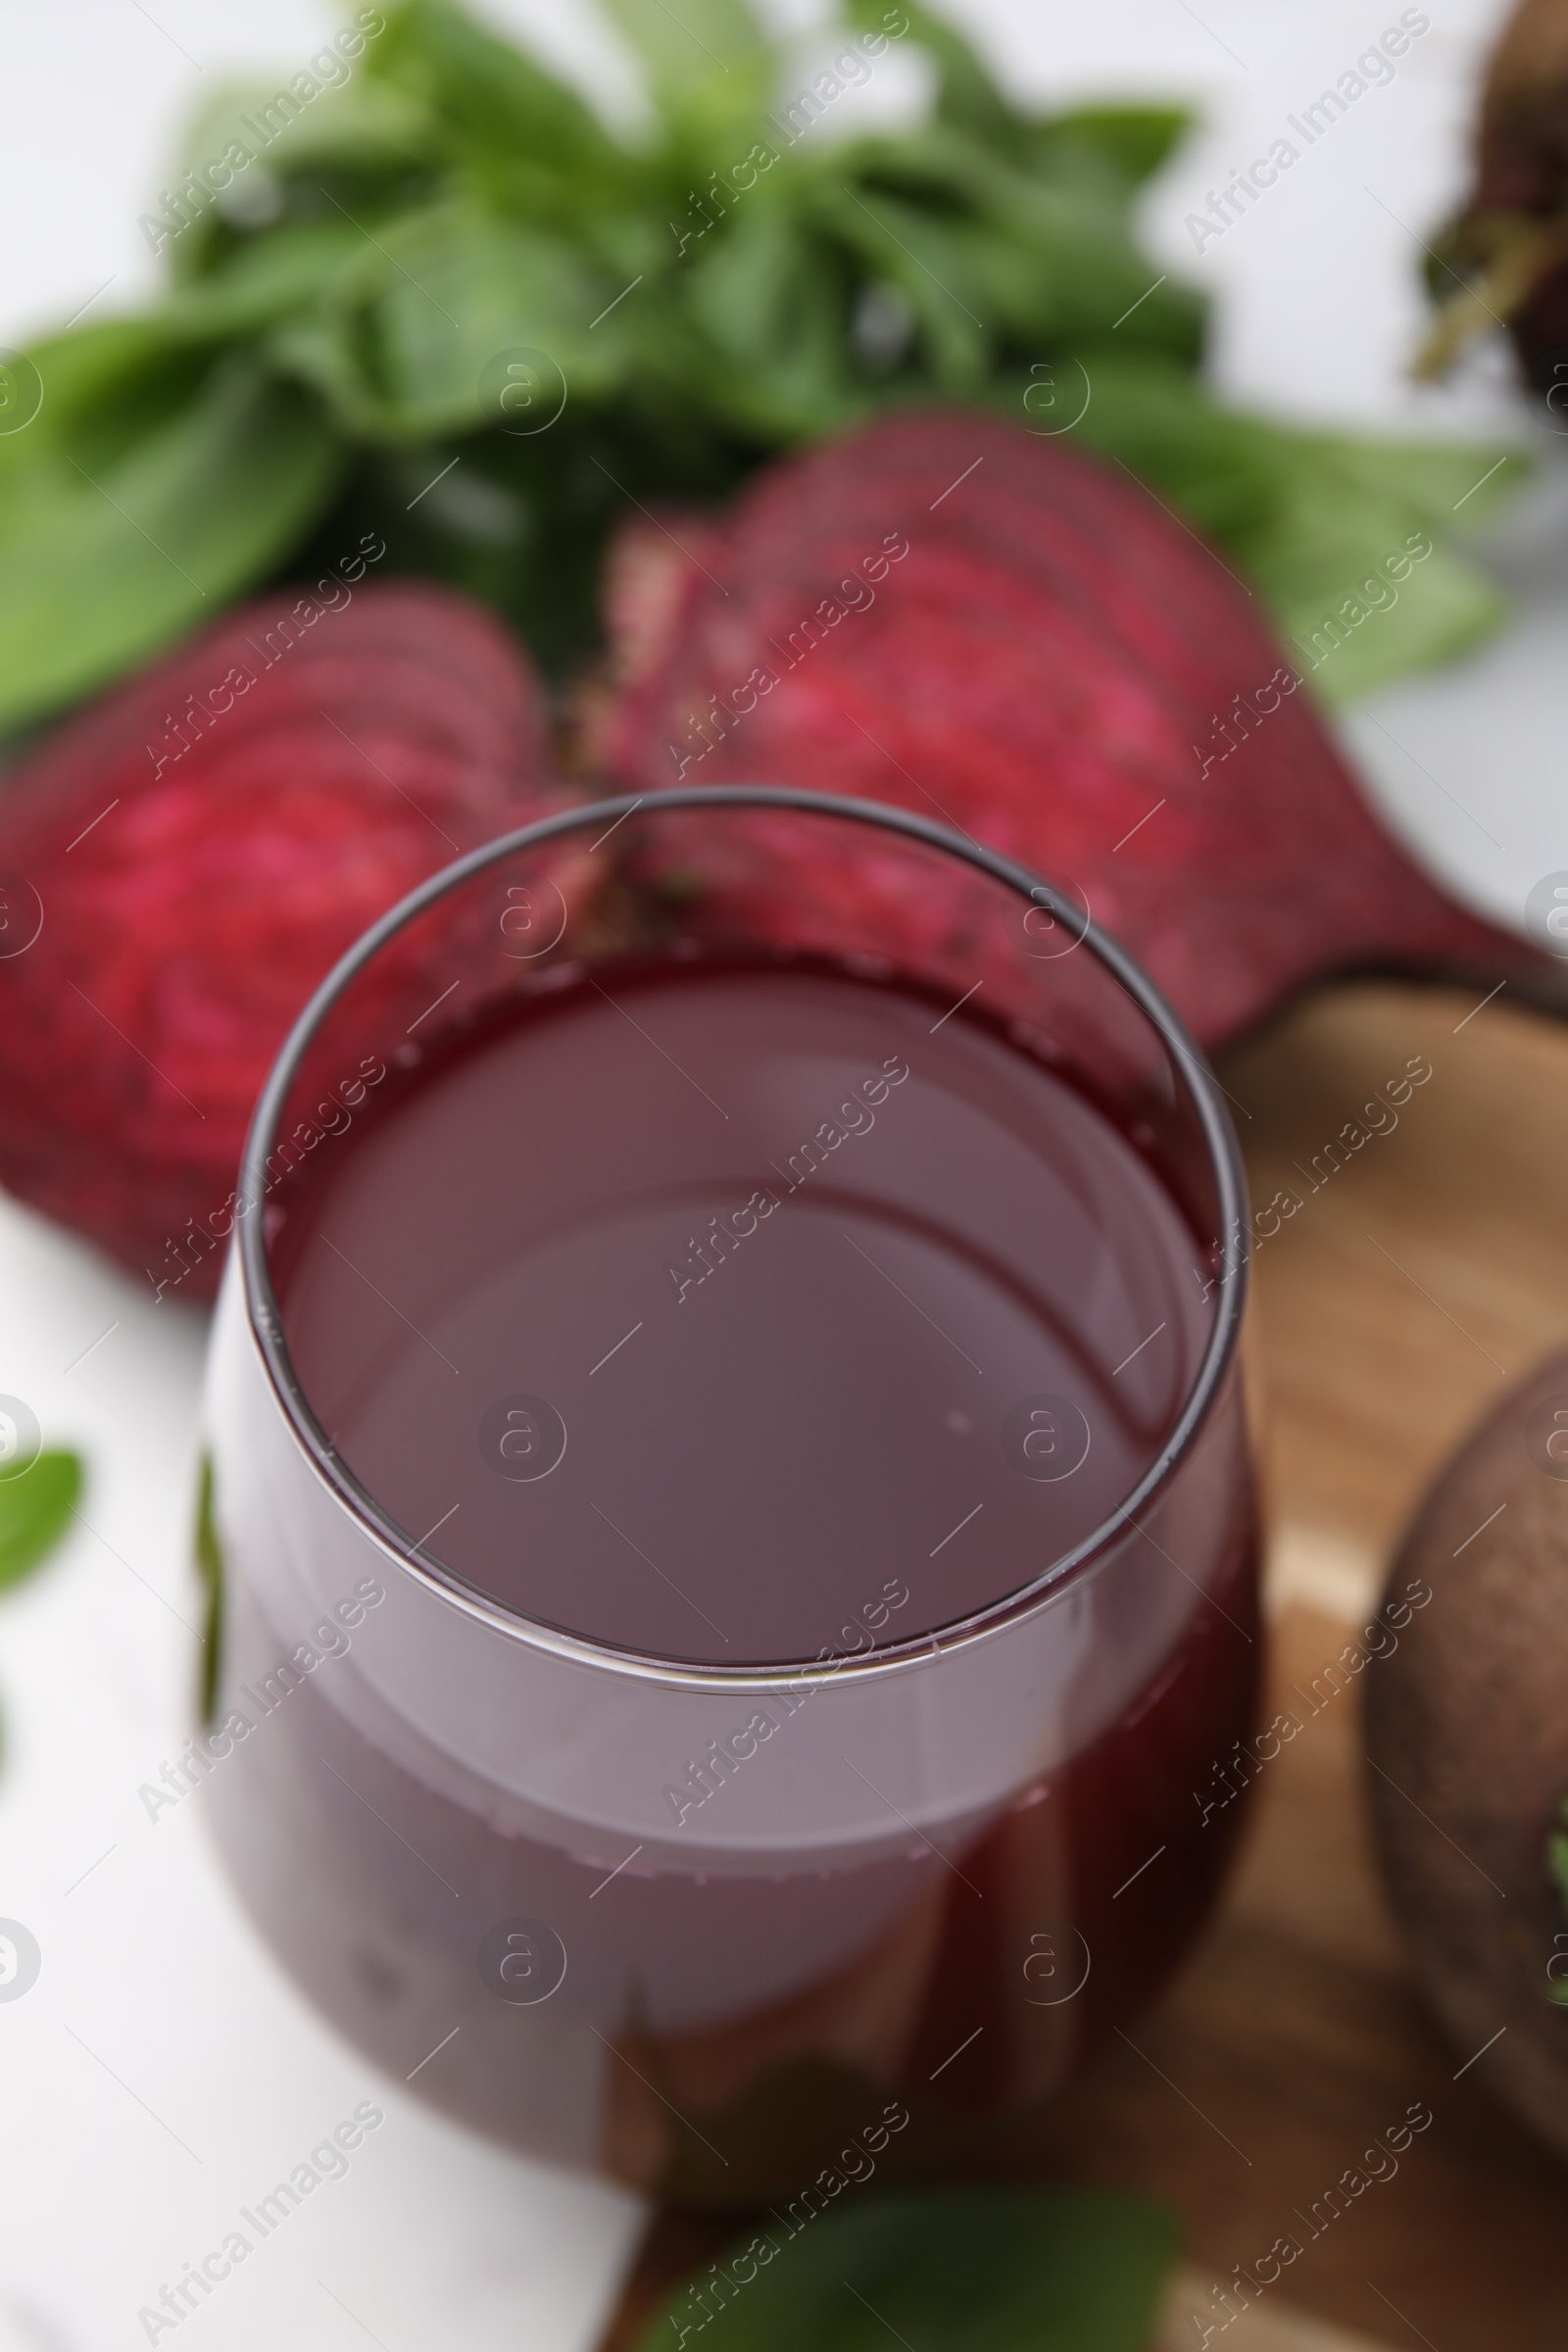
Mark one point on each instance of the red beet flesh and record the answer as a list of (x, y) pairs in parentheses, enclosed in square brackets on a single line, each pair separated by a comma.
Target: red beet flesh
[(1053, 665), (200, 866)]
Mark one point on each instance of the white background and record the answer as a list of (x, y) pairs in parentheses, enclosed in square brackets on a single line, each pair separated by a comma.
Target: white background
[(161, 2073)]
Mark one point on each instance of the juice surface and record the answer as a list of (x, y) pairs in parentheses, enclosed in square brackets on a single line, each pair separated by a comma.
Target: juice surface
[(740, 1313)]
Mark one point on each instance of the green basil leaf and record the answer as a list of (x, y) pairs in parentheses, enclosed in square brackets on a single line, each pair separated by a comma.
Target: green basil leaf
[(1051, 265), (771, 303), (154, 485), (938, 266), (208, 1548), (967, 95), (261, 154), (402, 340), (957, 173), (1136, 141), (679, 47), (486, 93), (365, 126), (964, 2270), (265, 281), (35, 1508), (119, 374), (1557, 1857), (710, 74)]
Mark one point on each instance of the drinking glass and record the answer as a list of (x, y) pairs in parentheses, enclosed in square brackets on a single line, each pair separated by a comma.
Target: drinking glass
[(704, 1922)]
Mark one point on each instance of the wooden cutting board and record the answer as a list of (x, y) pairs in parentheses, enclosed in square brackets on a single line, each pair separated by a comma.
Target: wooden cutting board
[(1415, 1279)]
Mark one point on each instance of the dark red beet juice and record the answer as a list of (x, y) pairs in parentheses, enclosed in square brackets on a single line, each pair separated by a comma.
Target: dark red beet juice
[(748, 1314)]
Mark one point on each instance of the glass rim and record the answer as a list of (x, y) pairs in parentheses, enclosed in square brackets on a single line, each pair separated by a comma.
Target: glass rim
[(265, 1317)]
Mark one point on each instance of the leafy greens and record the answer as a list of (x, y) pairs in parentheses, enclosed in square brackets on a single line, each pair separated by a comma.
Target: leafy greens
[(975, 2270), (445, 301)]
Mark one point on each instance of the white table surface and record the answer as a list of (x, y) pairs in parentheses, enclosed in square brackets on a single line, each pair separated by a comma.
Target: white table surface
[(161, 2072)]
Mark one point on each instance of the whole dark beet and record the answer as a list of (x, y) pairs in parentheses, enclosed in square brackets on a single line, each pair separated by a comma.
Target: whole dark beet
[(185, 858), (947, 612), (1467, 1734), (1506, 256)]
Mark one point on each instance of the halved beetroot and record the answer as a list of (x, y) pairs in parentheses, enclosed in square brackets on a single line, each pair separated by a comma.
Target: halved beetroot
[(986, 627), (184, 860)]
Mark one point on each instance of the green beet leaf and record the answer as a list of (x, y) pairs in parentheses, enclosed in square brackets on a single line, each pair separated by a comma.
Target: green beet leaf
[(1316, 526), (1351, 553), (35, 1510), (981, 2269)]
